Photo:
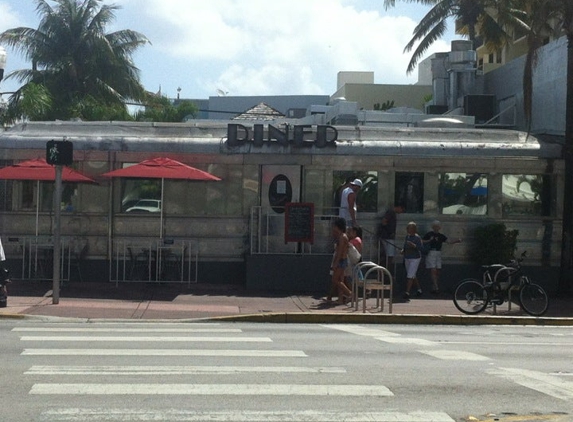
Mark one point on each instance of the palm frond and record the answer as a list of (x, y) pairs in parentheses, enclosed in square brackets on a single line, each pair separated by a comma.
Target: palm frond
[(436, 33)]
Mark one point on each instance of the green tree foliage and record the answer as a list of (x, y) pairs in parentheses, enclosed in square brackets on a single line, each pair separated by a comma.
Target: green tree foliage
[(76, 62), (161, 109), (491, 18), (386, 105), (493, 244)]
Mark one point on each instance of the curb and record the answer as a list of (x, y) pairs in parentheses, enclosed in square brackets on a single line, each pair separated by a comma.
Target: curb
[(336, 318)]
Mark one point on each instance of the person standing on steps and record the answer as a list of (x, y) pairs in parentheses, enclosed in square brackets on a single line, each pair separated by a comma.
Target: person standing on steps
[(433, 241)]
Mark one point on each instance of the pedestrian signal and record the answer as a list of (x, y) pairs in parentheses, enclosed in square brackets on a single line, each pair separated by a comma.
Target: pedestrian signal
[(59, 153)]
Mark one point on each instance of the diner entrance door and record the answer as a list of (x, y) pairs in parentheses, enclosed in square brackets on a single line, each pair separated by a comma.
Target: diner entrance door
[(280, 185)]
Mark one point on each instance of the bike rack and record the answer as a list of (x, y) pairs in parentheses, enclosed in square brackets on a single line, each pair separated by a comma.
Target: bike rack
[(511, 286), (376, 278)]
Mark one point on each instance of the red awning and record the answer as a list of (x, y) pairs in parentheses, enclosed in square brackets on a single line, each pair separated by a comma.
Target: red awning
[(162, 168), (39, 170)]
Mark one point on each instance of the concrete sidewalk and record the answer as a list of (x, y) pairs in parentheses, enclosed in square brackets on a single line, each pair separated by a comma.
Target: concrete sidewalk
[(173, 301)]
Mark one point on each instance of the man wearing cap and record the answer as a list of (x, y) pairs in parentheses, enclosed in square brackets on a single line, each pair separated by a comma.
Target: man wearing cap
[(348, 202)]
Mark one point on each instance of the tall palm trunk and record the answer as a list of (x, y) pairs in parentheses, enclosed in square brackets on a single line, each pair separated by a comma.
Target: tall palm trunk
[(566, 276)]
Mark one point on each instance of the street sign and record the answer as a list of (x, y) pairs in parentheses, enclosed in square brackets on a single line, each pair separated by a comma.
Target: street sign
[(59, 153)]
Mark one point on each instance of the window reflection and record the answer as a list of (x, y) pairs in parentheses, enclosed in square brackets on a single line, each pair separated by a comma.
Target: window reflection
[(141, 195), (409, 191), (522, 194), (367, 198), (463, 193)]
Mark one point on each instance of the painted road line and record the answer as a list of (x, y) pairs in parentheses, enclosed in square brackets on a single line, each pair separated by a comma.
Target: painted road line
[(547, 384), (507, 343), (454, 355), (175, 370), (143, 415), (125, 330), (149, 339), (362, 331), (213, 389), (407, 340), (166, 352), (386, 336)]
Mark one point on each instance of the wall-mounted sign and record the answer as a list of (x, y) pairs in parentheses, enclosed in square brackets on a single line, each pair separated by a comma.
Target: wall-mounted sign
[(299, 222), (320, 136)]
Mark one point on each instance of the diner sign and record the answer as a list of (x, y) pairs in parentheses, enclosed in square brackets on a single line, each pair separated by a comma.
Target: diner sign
[(321, 136), (299, 222)]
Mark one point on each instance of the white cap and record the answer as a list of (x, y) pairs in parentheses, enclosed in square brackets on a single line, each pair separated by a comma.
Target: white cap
[(357, 182)]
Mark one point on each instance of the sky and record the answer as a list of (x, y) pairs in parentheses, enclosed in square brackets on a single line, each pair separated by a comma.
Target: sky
[(253, 47)]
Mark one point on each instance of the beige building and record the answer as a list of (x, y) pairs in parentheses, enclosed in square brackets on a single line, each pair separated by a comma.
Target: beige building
[(359, 87)]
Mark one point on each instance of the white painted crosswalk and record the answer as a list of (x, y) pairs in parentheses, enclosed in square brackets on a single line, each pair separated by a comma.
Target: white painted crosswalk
[(176, 370), (166, 352), (110, 378), (144, 415), (213, 389)]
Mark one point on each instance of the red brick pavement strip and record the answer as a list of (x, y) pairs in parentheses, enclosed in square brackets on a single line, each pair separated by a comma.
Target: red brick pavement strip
[(232, 303)]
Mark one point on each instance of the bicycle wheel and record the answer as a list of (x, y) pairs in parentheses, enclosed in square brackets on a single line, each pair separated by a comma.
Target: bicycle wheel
[(470, 297), (533, 299)]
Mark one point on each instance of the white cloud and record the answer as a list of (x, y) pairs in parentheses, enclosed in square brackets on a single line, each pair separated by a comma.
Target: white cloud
[(286, 47), (253, 47)]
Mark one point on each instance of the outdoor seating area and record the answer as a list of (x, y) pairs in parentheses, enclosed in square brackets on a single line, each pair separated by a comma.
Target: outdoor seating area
[(154, 260), (36, 255)]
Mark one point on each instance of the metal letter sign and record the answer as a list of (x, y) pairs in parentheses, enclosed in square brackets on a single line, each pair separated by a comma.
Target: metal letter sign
[(59, 153)]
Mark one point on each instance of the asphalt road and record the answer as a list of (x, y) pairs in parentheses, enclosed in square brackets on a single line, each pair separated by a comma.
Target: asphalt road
[(291, 372)]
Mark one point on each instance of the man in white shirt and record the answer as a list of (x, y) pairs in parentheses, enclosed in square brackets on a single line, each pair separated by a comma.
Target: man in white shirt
[(348, 202)]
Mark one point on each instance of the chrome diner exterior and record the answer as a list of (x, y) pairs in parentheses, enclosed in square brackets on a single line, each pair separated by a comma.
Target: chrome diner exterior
[(233, 231)]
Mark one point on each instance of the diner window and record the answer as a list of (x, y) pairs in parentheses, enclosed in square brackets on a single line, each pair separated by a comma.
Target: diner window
[(25, 195), (409, 192), (140, 195), (367, 198), (5, 195), (28, 198), (463, 193), (526, 194)]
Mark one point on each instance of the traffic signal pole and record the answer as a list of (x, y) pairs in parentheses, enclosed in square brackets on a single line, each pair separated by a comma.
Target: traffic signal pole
[(57, 240)]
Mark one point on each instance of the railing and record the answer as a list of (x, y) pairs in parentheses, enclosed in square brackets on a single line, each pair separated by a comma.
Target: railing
[(267, 229), (154, 260), (37, 254)]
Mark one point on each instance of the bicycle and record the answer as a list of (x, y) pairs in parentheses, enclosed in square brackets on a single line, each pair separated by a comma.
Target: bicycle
[(498, 282)]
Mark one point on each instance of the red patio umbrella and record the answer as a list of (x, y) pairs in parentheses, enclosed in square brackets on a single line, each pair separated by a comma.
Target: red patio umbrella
[(162, 168), (39, 170)]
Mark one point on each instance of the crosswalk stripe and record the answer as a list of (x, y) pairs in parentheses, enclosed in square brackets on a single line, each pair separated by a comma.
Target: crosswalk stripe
[(381, 335), (165, 352), (148, 339), (454, 355), (538, 381), (143, 415), (362, 331), (212, 389), (124, 330), (407, 340), (175, 370)]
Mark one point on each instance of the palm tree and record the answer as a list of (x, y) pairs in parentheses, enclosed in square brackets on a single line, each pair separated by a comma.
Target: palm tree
[(491, 18), (554, 17), (74, 59)]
